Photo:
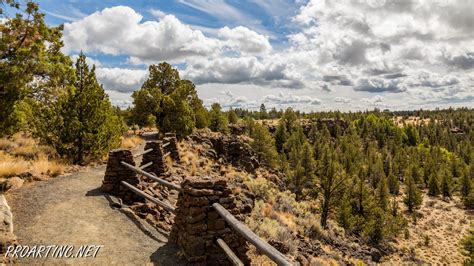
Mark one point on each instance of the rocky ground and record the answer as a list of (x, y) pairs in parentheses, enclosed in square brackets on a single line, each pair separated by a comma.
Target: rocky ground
[(206, 153), (292, 227)]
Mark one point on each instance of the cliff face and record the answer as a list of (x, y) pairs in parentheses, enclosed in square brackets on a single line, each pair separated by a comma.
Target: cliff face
[(307, 124)]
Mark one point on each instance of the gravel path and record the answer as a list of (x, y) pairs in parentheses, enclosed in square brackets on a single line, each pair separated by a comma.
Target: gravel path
[(70, 210)]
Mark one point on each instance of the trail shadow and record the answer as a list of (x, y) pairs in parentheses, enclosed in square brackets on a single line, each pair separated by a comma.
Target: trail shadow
[(146, 228), (168, 255), (94, 192)]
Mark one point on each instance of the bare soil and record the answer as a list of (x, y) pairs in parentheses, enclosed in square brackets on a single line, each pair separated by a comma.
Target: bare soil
[(71, 210)]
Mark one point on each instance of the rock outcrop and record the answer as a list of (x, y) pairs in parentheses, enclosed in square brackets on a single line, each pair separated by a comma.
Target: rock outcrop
[(232, 149)]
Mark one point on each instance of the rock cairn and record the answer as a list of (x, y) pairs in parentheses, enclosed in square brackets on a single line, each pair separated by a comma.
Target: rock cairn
[(156, 157), (116, 172), (197, 225), (173, 146)]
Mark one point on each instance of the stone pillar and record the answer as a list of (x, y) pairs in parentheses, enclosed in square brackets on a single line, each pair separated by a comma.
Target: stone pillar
[(173, 146), (156, 156), (197, 225), (116, 172)]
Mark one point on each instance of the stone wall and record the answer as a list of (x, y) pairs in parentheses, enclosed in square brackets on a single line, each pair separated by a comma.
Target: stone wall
[(116, 172), (197, 225), (156, 157), (173, 146)]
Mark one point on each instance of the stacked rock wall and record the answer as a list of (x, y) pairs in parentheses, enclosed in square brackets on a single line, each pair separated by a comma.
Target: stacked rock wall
[(116, 172), (156, 157), (197, 225), (173, 146)]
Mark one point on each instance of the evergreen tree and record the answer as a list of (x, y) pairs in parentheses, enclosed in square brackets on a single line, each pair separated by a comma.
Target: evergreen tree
[(263, 144), (281, 135), (290, 119), (232, 116), (263, 112), (382, 194), (32, 65), (202, 117), (465, 183), (446, 184), (345, 216), (82, 124), (393, 184), (218, 120), (329, 182), (412, 135), (433, 186), (173, 101), (413, 197)]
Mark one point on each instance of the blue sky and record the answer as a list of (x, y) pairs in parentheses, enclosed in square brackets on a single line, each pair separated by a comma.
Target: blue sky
[(310, 55)]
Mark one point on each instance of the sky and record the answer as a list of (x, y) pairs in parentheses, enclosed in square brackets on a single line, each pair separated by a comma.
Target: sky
[(311, 55)]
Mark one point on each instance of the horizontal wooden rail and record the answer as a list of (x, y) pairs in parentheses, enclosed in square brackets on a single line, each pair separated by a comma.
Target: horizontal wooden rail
[(166, 144), (142, 153), (167, 154), (153, 177), (145, 165), (137, 191), (243, 230), (230, 254)]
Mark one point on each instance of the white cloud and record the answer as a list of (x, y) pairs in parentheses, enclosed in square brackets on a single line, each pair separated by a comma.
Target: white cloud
[(120, 79), (290, 99), (157, 13), (406, 53), (245, 40), (342, 100), (120, 30)]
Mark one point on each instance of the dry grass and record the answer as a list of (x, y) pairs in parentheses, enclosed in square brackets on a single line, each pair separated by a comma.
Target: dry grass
[(11, 166), (44, 167), (437, 234), (131, 142), (28, 152), (6, 144), (21, 153)]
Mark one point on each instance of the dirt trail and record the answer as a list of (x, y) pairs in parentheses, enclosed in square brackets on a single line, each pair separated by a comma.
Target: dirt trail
[(70, 210)]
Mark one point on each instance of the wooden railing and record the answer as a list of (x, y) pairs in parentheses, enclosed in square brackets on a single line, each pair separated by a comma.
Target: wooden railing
[(244, 231), (238, 226)]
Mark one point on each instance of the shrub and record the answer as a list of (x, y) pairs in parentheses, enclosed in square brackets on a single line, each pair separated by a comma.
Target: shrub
[(261, 187)]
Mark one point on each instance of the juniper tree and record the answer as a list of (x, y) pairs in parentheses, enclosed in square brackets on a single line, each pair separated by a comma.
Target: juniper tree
[(393, 184), (31, 62), (329, 181), (433, 186), (281, 135), (82, 124), (382, 194), (263, 144), (446, 189), (300, 159), (218, 120), (413, 197), (465, 183), (172, 100), (232, 116)]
